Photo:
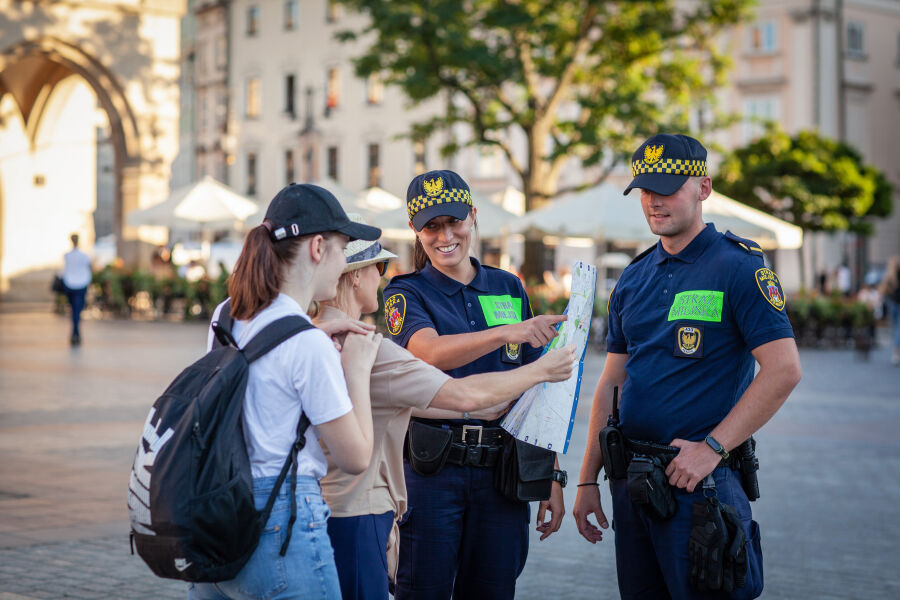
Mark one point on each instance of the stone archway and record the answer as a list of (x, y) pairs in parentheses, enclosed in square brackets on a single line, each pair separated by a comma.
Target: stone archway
[(128, 54)]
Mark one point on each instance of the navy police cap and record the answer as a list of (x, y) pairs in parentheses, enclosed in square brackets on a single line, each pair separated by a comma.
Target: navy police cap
[(435, 194), (664, 162), (304, 209)]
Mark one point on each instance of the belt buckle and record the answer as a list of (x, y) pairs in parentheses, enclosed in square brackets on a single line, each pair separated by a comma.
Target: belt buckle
[(467, 428)]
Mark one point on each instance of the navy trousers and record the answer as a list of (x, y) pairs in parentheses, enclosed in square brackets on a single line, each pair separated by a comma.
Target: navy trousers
[(76, 301), (652, 556), (360, 554), (460, 538)]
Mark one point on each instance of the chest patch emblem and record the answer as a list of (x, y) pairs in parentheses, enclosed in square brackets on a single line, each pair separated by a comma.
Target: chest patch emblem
[(697, 305), (770, 287), (394, 313), (689, 342), (501, 310)]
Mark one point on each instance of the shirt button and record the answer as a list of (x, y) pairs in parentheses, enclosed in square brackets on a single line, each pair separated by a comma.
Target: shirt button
[(670, 276), (665, 291), (469, 304), (471, 322)]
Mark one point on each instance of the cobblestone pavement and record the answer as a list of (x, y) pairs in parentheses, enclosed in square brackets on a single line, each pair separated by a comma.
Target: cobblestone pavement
[(70, 420)]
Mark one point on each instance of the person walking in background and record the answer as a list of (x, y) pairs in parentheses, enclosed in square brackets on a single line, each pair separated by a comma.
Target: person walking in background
[(890, 289), (76, 277)]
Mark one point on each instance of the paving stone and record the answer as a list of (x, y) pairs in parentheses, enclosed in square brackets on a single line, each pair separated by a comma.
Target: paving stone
[(70, 420)]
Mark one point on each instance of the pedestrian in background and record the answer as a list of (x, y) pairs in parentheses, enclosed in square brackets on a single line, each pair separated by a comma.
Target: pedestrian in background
[(890, 289), (688, 320), (366, 507), (76, 278), (295, 257)]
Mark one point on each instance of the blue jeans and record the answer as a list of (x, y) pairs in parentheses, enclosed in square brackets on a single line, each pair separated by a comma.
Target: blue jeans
[(76, 301), (360, 553), (460, 537), (307, 571), (652, 556)]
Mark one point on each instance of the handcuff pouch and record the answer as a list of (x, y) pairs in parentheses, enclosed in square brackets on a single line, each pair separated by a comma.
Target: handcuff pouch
[(427, 447)]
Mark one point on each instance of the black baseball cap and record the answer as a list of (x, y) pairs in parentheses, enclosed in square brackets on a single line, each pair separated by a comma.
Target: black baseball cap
[(305, 209), (664, 162), (435, 194)]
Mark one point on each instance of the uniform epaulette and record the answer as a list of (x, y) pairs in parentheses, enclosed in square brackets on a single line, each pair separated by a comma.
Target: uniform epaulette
[(642, 255), (403, 276), (749, 246)]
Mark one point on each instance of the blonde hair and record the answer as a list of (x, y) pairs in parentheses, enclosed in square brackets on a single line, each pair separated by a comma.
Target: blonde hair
[(890, 280)]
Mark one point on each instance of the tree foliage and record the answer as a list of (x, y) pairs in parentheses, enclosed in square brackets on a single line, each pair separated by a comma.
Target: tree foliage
[(578, 79), (816, 183)]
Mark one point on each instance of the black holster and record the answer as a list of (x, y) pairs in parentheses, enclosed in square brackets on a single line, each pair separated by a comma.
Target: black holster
[(615, 457), (427, 447), (649, 488), (748, 465), (524, 472)]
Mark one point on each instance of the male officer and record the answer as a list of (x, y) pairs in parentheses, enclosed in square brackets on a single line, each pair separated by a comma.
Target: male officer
[(687, 320)]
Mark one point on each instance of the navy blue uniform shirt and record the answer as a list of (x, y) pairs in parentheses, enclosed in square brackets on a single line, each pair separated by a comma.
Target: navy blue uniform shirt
[(688, 323), (428, 298)]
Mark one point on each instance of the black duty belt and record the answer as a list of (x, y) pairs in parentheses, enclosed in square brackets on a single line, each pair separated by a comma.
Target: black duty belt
[(667, 453), (475, 446)]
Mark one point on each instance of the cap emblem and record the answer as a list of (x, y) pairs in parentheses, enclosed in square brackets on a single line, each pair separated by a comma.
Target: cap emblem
[(433, 187), (652, 154)]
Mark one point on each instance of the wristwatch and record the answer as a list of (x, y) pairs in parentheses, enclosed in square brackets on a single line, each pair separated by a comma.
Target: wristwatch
[(717, 447), (561, 477)]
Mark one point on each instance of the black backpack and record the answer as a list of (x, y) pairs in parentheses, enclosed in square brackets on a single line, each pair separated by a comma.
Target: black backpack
[(190, 497)]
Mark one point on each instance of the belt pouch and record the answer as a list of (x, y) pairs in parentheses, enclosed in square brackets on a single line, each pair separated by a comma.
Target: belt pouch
[(612, 444), (428, 447), (524, 472), (649, 489)]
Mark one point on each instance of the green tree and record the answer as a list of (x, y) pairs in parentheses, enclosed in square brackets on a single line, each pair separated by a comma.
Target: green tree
[(816, 183), (576, 79)]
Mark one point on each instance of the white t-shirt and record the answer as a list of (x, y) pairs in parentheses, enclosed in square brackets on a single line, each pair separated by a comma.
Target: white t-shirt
[(77, 270), (304, 371)]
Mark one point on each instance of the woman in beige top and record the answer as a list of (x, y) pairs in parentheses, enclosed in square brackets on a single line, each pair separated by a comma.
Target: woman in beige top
[(365, 507)]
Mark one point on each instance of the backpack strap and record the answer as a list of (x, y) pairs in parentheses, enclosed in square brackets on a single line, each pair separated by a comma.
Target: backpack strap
[(222, 327), (274, 334), (271, 336)]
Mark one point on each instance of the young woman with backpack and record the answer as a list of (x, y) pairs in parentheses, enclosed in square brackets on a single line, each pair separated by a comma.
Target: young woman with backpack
[(295, 257), (365, 507)]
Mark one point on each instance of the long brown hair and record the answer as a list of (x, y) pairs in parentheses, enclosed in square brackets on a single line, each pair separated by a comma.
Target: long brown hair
[(260, 271), (420, 257)]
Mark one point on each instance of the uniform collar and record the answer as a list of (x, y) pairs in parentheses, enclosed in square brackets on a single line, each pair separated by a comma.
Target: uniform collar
[(450, 286), (693, 250)]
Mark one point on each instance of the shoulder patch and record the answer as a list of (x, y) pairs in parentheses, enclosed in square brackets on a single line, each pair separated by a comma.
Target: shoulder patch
[(395, 313), (749, 246), (770, 287)]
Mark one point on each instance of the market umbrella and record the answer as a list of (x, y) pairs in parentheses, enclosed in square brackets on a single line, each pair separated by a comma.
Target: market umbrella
[(207, 204)]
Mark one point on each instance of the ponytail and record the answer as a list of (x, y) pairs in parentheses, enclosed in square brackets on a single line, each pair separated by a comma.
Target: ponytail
[(259, 272), (419, 256)]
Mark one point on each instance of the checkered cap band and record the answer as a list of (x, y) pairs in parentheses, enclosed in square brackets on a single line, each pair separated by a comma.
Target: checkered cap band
[(670, 166), (445, 197)]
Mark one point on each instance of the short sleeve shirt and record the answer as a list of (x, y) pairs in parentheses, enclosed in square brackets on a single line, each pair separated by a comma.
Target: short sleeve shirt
[(688, 323), (303, 372), (399, 383), (430, 299)]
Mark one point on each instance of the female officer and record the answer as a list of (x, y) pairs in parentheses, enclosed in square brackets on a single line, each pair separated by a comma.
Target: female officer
[(294, 257), (365, 507), (461, 537)]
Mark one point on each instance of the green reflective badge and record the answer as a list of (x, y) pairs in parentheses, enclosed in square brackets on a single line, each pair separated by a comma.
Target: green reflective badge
[(698, 305), (501, 310)]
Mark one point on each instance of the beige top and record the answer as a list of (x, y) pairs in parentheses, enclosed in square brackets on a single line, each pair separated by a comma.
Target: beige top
[(399, 383)]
